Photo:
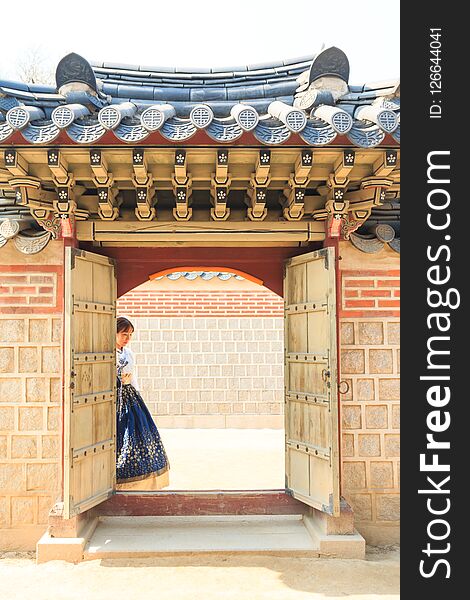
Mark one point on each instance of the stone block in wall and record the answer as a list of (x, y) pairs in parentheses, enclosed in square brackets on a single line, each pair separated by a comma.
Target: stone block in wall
[(393, 333), (351, 417), (28, 360), (7, 360), (369, 444), (12, 330), (352, 361), (45, 504), (53, 418), (39, 331), (380, 361), (12, 477), (30, 418), (388, 507), (376, 417), (3, 446), (10, 389), (381, 474), (5, 511), (392, 445), (347, 333), (56, 330), (349, 390), (370, 333), (23, 510), (24, 446), (50, 446), (354, 475), (396, 416), (36, 389), (364, 389), (42, 476), (7, 418), (347, 444), (362, 506), (55, 390), (389, 389), (51, 360)]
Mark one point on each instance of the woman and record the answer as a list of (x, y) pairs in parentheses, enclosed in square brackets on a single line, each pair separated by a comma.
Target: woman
[(141, 460)]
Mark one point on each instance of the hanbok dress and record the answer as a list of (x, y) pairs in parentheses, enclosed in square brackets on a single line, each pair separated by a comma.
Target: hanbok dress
[(141, 460)]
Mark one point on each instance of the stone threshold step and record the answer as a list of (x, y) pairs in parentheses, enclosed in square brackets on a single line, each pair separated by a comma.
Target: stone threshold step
[(118, 537), (199, 503)]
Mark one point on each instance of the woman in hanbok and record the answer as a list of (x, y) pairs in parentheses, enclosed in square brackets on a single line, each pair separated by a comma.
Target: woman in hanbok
[(141, 460)]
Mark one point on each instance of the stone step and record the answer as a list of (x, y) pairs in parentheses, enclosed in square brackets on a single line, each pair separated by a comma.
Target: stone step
[(138, 537)]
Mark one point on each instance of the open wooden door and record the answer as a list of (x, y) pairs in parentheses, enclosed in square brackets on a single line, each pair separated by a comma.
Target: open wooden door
[(311, 390), (90, 381)]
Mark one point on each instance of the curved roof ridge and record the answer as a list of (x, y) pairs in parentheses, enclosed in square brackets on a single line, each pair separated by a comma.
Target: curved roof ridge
[(195, 72)]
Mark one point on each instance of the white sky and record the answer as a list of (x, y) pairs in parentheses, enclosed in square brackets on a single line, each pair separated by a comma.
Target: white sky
[(202, 33)]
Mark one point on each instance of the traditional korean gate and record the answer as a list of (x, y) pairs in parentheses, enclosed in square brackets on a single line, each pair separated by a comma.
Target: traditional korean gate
[(90, 381), (311, 394)]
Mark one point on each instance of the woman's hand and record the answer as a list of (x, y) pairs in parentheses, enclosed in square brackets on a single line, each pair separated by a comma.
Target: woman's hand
[(126, 378)]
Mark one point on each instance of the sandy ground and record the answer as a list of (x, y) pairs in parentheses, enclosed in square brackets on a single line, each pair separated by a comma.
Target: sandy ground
[(225, 459), (206, 578)]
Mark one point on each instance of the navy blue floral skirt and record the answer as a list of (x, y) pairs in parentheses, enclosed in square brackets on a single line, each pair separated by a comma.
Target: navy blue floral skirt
[(140, 453)]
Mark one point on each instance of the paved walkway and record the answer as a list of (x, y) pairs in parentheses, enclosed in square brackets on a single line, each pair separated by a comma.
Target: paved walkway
[(226, 459)]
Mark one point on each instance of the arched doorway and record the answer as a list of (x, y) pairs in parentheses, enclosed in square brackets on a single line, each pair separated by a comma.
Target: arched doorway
[(208, 343)]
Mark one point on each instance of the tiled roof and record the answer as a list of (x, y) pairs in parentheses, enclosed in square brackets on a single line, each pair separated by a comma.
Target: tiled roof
[(308, 96)]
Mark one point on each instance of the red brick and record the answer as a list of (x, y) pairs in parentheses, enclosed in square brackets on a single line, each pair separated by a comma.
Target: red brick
[(388, 283), (41, 279), (40, 300), (14, 278), (383, 303), (369, 313), (359, 283), (4, 290), (13, 300), (376, 293), (46, 290), (351, 293), (24, 289), (360, 303), (396, 293)]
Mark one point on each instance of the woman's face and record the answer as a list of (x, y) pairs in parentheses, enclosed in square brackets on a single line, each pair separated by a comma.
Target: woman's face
[(123, 338)]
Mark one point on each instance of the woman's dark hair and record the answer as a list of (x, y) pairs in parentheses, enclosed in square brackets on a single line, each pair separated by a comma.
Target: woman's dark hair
[(123, 324)]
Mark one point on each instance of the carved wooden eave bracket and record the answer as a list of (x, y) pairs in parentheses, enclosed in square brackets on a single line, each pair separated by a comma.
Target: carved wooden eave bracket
[(220, 186), (143, 183), (294, 207), (66, 204), (108, 206), (39, 201), (258, 189), (336, 204), (182, 188)]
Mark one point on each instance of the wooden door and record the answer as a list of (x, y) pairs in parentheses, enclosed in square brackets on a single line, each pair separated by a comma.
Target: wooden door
[(311, 390), (90, 381)]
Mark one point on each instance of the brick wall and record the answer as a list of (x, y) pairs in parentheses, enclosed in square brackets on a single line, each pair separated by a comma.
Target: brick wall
[(30, 391), (370, 411), (376, 292), (211, 371), (209, 353), (200, 304)]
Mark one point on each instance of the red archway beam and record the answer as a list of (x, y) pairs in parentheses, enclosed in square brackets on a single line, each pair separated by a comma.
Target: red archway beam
[(220, 269)]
